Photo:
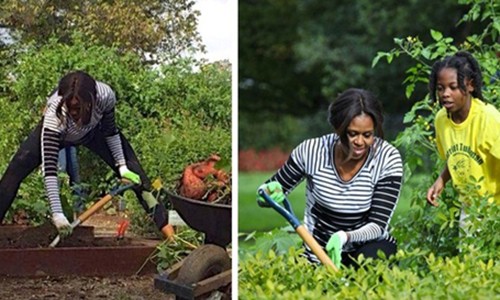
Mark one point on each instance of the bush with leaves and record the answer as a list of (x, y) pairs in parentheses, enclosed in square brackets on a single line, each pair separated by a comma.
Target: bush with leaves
[(406, 275)]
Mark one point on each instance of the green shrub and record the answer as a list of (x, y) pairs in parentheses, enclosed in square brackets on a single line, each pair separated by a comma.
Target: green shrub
[(407, 275)]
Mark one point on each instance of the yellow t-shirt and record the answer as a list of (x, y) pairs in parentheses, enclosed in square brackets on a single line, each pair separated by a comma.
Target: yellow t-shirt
[(472, 148)]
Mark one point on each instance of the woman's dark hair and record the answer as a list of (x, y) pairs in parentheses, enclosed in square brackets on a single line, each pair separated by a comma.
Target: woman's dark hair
[(350, 104), (81, 86), (467, 69)]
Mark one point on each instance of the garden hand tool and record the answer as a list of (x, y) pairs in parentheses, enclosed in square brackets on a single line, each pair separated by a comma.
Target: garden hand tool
[(310, 241), (94, 208)]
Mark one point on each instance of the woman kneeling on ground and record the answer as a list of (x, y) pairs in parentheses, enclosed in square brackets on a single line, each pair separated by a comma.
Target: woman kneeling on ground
[(353, 181)]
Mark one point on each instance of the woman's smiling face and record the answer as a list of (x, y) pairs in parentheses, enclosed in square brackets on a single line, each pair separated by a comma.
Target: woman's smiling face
[(361, 135)]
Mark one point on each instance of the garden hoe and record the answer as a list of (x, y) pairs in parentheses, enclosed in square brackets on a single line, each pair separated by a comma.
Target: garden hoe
[(310, 241), (94, 208)]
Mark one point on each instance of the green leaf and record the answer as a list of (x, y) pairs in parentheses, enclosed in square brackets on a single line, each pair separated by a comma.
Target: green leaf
[(442, 216), (426, 53), (409, 116), (436, 35), (377, 58), (409, 90)]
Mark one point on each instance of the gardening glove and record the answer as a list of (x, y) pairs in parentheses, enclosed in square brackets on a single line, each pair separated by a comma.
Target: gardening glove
[(62, 224), (334, 247), (274, 190), (125, 173)]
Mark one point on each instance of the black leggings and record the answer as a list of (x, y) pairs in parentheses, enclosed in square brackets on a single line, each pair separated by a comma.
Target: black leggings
[(369, 249), (29, 157)]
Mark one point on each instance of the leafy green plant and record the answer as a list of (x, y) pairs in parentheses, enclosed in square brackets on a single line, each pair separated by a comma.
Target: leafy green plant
[(406, 275), (481, 221), (277, 240), (167, 253)]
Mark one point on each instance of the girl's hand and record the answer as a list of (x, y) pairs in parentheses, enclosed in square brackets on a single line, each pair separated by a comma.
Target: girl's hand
[(434, 191)]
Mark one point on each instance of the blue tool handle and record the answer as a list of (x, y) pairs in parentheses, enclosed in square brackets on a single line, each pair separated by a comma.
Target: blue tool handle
[(286, 212)]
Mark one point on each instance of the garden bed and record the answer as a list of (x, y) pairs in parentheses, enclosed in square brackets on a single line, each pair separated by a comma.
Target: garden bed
[(24, 251)]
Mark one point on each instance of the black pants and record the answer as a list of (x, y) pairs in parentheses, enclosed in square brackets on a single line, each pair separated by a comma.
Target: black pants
[(369, 249), (29, 157)]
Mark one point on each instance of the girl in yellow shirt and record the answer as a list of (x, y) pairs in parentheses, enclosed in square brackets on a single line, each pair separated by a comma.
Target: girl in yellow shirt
[(467, 129)]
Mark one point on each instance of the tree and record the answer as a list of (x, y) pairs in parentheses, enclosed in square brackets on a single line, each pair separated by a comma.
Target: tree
[(156, 30), (295, 56), (342, 37), (270, 82)]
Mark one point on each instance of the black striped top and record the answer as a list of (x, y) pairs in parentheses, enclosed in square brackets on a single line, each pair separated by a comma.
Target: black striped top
[(57, 131), (362, 206)]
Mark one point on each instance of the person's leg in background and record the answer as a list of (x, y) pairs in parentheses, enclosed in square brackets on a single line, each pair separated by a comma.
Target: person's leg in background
[(73, 170)]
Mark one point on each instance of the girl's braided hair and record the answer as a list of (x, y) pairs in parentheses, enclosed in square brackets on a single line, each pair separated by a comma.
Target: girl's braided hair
[(467, 68)]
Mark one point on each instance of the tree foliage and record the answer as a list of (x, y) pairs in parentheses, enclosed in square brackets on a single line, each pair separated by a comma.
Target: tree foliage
[(161, 29), (295, 56), (270, 82)]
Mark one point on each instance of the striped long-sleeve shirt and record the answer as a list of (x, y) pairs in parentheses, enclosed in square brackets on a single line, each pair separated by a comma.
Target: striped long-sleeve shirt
[(56, 131), (362, 206)]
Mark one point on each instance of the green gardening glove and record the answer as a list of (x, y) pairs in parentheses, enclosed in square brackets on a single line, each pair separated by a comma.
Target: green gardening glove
[(125, 173), (274, 190), (334, 247)]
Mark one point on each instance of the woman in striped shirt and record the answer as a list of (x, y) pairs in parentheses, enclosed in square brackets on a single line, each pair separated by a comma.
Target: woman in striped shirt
[(353, 181), (80, 112)]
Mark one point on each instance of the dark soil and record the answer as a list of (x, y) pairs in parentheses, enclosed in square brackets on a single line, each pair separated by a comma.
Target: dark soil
[(55, 288), (41, 237), (73, 287)]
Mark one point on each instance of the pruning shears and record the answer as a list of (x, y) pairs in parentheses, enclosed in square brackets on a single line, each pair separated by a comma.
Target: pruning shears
[(287, 212), (94, 208)]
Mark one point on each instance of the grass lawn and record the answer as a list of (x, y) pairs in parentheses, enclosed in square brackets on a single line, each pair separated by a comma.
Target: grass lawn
[(251, 217)]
